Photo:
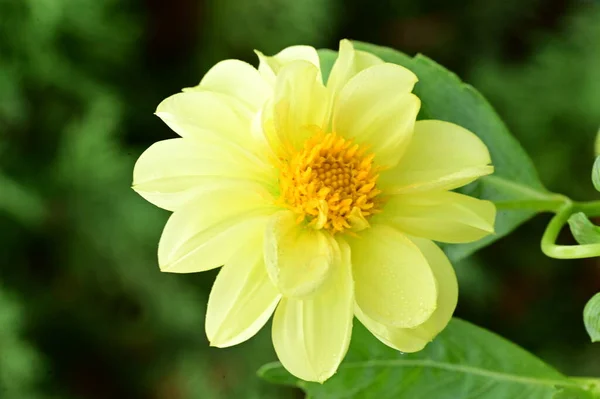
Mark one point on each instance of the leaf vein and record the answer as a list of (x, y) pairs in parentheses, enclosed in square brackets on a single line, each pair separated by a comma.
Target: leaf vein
[(456, 368)]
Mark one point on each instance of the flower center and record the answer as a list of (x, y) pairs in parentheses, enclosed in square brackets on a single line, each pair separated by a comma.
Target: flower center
[(331, 183)]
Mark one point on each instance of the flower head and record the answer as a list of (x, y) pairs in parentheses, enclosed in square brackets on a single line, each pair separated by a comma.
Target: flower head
[(320, 201)]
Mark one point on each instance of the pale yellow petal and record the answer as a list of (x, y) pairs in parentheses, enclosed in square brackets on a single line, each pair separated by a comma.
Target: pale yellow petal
[(395, 337), (237, 79), (300, 107), (269, 67), (242, 298), (394, 283), (311, 336), (376, 109), (259, 134), (447, 289), (205, 233), (298, 258), (364, 60), (205, 115), (414, 339), (348, 63), (171, 173), (441, 156), (439, 215)]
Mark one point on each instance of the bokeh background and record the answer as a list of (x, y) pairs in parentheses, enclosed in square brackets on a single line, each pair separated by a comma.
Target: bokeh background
[(85, 312)]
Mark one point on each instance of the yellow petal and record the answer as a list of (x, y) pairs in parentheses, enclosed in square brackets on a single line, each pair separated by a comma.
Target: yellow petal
[(376, 109), (237, 79), (269, 67), (205, 115), (414, 339), (394, 283), (395, 337), (298, 258), (441, 216), (311, 336), (300, 106), (171, 173), (447, 289), (441, 156), (242, 298), (348, 63), (205, 233)]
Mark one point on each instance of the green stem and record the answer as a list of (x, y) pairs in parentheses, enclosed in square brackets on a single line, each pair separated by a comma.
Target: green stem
[(563, 207), (555, 226), (591, 208)]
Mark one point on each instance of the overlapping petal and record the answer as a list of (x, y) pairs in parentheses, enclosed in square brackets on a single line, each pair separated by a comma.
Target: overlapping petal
[(299, 108), (447, 288), (311, 336), (415, 339), (204, 115), (298, 259), (441, 156), (171, 173), (394, 284), (205, 233), (443, 216), (376, 109), (348, 63), (269, 67), (397, 338), (242, 298), (239, 80), (222, 180)]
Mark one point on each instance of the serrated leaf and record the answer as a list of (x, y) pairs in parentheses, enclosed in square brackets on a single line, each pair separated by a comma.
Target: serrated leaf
[(591, 317), (584, 231), (596, 174), (465, 361), (444, 96)]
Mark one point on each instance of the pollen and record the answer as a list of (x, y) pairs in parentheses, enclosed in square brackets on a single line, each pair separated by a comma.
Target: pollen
[(330, 183)]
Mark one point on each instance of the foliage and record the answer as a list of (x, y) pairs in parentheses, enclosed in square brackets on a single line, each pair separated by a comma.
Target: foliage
[(560, 96), (591, 318), (462, 353), (463, 362), (81, 294), (584, 231), (445, 97), (81, 243), (20, 365)]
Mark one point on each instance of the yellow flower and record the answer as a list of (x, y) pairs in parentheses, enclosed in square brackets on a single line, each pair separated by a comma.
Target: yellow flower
[(320, 201)]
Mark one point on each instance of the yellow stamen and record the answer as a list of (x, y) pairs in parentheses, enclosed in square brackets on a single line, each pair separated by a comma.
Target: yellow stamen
[(330, 183)]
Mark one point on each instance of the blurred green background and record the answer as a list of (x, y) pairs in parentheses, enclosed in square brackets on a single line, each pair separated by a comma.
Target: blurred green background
[(85, 312)]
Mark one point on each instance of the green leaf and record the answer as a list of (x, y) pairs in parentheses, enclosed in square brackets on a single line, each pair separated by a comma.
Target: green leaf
[(596, 173), (573, 393), (444, 96), (326, 59), (590, 386), (584, 231), (591, 317), (464, 361)]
